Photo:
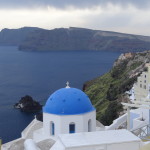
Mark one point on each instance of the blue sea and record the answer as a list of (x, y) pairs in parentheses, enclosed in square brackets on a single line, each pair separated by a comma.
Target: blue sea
[(39, 74)]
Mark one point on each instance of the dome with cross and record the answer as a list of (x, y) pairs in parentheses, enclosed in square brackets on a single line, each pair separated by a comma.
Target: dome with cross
[(68, 101)]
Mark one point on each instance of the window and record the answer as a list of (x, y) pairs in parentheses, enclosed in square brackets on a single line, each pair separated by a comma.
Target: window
[(72, 128), (140, 85), (52, 128), (144, 86), (89, 125), (145, 76), (145, 81)]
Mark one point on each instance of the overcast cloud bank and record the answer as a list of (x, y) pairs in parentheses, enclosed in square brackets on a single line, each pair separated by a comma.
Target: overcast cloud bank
[(128, 16)]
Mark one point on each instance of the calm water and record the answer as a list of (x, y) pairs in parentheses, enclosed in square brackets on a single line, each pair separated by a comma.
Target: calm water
[(39, 74)]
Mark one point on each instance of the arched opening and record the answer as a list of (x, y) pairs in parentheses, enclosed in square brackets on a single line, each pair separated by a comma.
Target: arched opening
[(52, 128), (89, 125), (72, 128)]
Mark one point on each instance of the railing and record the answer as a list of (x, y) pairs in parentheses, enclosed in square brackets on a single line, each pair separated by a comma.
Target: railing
[(142, 132), (118, 123)]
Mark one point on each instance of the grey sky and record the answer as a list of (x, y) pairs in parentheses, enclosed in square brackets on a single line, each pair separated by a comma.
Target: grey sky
[(129, 16), (75, 3)]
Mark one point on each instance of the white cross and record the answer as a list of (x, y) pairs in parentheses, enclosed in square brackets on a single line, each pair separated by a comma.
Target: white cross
[(67, 84)]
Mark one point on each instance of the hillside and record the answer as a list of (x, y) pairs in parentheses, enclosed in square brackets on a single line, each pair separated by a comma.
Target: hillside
[(14, 37), (108, 90), (83, 39)]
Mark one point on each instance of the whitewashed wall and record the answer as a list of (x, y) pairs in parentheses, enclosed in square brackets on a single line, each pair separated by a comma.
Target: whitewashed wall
[(133, 145), (144, 80), (62, 122)]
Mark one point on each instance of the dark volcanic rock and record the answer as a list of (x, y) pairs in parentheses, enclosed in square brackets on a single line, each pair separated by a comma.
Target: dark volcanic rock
[(37, 39), (14, 37), (27, 104), (84, 39)]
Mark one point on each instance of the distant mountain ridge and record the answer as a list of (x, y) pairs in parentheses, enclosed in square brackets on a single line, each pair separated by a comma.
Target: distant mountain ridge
[(14, 37), (37, 39), (84, 39)]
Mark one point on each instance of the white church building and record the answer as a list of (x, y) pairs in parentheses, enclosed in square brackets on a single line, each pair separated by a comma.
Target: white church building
[(68, 110), (69, 123)]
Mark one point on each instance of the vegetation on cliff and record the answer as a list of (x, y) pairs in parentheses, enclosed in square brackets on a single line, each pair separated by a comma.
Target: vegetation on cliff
[(108, 91)]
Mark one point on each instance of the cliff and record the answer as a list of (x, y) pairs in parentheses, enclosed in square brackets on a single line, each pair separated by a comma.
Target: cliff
[(108, 91), (14, 37), (37, 39), (84, 39)]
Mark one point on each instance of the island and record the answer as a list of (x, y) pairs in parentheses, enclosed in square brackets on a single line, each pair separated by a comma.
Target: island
[(73, 38), (27, 104)]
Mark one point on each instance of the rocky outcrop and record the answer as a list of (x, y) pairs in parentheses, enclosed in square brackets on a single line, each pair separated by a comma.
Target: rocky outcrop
[(122, 57), (27, 104)]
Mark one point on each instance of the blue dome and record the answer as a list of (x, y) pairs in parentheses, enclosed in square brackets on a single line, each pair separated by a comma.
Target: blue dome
[(68, 101)]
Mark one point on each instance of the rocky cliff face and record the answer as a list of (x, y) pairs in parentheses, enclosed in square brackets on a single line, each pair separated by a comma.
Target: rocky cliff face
[(108, 91), (15, 37), (36, 39), (83, 39)]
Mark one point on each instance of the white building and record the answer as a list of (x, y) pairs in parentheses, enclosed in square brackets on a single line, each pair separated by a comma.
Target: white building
[(100, 140), (69, 123), (142, 86), (68, 110)]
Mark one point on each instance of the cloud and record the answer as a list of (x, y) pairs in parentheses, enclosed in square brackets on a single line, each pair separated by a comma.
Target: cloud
[(112, 18), (102, 3), (128, 16), (74, 3)]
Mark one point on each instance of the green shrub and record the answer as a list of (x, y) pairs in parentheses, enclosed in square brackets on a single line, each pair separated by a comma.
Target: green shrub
[(111, 113)]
